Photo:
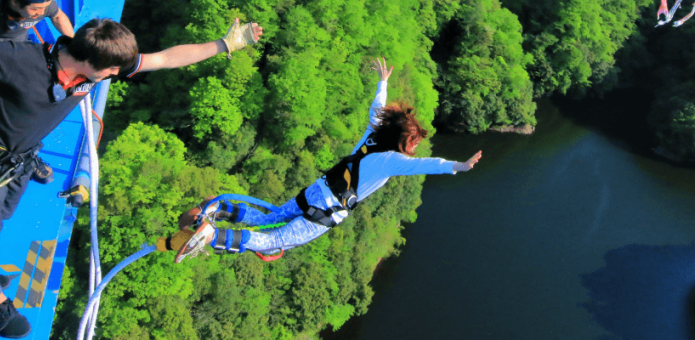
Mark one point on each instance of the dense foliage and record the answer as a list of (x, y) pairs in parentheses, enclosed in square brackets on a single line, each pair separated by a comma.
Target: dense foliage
[(271, 120), (266, 123), (573, 42), (483, 79), (661, 60)]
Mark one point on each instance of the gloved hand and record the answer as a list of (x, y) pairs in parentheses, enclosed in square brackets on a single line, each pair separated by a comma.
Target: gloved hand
[(239, 36), (76, 196)]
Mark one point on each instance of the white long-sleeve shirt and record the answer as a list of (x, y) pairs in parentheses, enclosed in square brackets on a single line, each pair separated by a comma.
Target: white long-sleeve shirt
[(377, 168)]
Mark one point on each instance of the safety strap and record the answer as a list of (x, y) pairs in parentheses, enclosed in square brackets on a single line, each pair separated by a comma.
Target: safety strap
[(17, 161), (221, 243), (345, 189), (228, 212), (270, 258), (314, 214), (168, 244), (10, 174), (348, 197)]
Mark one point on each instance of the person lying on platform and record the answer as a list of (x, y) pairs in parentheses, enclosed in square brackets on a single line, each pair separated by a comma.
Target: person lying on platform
[(41, 84), (18, 16), (382, 152)]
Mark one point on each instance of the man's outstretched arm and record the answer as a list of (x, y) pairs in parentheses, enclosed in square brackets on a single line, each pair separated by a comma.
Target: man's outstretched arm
[(184, 55), (63, 24)]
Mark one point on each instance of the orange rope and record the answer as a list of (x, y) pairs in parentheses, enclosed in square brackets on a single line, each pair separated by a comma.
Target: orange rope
[(37, 34), (270, 258), (101, 131)]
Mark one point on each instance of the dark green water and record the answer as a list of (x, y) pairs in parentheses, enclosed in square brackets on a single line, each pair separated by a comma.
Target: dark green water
[(575, 232)]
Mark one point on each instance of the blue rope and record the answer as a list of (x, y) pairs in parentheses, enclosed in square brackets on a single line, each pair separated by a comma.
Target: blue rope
[(242, 198), (95, 296), (147, 250)]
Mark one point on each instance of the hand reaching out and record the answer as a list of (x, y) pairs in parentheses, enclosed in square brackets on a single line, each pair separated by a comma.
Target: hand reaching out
[(381, 68), (257, 30), (239, 36), (467, 165)]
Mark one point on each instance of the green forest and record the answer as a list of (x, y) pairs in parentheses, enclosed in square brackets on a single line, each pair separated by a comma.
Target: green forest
[(277, 115)]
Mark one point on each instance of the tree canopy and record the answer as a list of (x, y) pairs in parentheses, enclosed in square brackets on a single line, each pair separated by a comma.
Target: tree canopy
[(271, 120)]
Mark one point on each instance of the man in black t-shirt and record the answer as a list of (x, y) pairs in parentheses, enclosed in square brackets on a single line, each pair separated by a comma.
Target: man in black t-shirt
[(41, 84), (18, 16)]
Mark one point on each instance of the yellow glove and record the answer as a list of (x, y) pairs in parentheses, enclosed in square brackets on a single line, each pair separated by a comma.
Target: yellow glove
[(238, 36), (175, 242)]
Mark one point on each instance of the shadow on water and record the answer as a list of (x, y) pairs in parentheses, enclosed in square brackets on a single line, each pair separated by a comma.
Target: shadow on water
[(644, 292)]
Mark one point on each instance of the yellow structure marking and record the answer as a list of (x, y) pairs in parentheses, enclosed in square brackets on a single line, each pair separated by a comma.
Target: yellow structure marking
[(9, 268), (25, 280), (41, 274)]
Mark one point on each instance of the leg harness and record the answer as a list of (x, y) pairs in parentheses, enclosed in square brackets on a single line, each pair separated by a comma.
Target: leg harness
[(224, 243), (231, 212), (317, 215)]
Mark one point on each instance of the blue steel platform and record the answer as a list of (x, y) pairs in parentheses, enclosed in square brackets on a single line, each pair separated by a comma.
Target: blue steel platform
[(34, 242)]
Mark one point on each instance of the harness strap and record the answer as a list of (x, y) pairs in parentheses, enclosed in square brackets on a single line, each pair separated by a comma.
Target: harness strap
[(270, 258), (168, 244), (314, 214), (221, 244), (228, 212), (17, 163), (347, 194), (236, 242)]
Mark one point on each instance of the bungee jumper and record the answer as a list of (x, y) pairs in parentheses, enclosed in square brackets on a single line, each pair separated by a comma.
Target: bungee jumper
[(383, 151), (42, 83)]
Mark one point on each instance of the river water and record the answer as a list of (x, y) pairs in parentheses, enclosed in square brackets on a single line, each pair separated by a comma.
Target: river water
[(574, 232)]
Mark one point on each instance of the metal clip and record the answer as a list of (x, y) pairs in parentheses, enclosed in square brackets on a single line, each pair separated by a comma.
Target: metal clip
[(10, 174)]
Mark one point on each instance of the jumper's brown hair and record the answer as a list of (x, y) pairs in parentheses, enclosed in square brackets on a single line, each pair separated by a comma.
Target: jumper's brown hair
[(398, 129), (104, 43)]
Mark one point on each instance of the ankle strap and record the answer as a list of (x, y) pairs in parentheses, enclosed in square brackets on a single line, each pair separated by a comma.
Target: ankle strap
[(226, 242)]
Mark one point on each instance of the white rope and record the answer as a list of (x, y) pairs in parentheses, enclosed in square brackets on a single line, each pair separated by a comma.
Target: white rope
[(95, 263)]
